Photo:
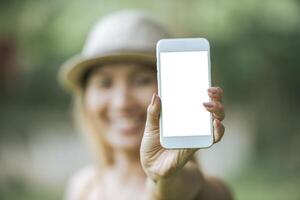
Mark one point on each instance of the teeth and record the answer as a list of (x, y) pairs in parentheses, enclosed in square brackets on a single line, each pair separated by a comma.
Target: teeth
[(126, 122)]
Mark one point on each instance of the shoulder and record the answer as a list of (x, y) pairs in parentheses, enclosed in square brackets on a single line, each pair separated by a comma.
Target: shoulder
[(80, 182), (215, 188)]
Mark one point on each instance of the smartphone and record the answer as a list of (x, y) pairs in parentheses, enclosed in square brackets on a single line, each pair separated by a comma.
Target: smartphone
[(183, 76)]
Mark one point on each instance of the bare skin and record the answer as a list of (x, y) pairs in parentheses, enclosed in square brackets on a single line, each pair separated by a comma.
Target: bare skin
[(120, 98)]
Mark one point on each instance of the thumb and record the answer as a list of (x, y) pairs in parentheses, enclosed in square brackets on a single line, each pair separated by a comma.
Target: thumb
[(153, 114)]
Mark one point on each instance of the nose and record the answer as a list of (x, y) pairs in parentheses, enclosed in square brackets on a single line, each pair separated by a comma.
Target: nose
[(122, 101)]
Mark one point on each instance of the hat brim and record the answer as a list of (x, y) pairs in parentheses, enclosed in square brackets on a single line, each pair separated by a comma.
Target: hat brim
[(71, 72)]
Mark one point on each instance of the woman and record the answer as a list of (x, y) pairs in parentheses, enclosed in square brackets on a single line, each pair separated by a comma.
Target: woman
[(114, 86)]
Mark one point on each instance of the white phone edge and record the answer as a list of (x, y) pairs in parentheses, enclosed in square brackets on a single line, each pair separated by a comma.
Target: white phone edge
[(175, 45)]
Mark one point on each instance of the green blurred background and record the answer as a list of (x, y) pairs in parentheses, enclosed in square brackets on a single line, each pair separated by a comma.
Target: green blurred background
[(255, 48)]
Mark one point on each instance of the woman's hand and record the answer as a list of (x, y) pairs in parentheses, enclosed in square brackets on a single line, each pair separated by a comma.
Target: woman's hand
[(160, 163)]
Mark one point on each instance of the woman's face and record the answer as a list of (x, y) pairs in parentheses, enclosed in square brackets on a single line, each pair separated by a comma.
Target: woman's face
[(116, 99)]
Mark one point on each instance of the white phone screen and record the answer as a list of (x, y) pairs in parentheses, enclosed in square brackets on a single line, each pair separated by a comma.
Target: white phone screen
[(184, 79)]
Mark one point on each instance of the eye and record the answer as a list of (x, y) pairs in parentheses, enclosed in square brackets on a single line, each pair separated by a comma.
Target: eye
[(103, 82), (143, 80)]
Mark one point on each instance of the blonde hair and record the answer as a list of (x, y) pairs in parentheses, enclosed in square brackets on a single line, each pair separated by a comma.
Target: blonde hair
[(101, 151)]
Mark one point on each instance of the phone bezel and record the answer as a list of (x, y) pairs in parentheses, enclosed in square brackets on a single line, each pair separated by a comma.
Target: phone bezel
[(179, 45)]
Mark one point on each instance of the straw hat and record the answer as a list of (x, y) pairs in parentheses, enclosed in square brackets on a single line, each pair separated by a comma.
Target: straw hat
[(121, 36)]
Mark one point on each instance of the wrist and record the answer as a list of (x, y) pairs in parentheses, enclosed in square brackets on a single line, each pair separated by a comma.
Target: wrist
[(162, 188), (162, 176), (186, 183)]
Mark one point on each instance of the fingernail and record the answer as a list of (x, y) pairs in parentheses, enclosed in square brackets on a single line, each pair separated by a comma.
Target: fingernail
[(208, 104), (212, 90), (153, 99)]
